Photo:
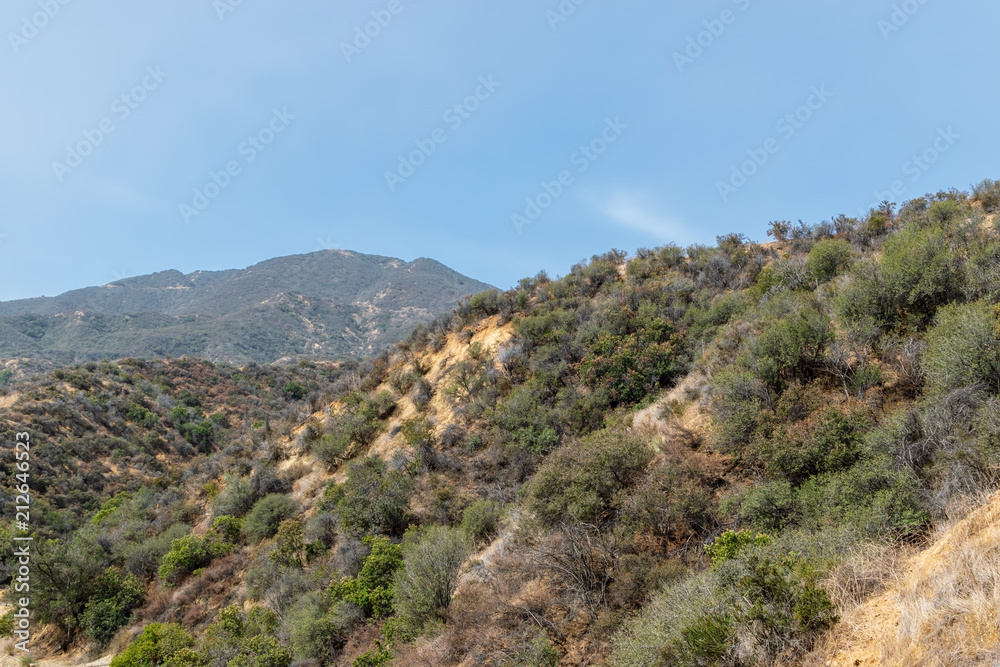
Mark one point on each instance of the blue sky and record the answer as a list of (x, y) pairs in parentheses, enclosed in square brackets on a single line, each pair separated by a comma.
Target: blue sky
[(596, 96)]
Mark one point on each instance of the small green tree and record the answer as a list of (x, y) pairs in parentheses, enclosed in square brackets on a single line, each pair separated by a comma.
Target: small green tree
[(372, 589), (295, 391)]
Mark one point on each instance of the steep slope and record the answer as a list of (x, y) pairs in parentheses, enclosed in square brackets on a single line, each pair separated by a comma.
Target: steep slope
[(939, 609), (326, 304), (701, 456)]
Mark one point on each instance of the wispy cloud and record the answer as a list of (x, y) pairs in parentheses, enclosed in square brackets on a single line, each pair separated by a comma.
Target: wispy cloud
[(633, 210)]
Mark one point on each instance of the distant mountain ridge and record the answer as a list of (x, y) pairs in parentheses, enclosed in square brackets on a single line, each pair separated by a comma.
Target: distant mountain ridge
[(331, 303)]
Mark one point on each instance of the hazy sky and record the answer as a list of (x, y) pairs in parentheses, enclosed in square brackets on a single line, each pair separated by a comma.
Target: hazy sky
[(619, 120)]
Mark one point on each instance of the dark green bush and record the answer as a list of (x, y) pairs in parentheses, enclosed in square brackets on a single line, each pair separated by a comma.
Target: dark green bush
[(114, 597), (295, 390), (372, 590), (374, 499), (267, 514), (188, 554)]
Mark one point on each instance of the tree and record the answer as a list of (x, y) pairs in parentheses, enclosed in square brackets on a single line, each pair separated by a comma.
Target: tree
[(64, 576), (581, 480), (295, 391)]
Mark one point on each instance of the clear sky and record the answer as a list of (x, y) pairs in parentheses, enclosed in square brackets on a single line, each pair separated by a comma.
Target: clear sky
[(112, 114)]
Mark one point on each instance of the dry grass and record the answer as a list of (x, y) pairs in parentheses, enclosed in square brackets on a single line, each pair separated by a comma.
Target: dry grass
[(941, 612)]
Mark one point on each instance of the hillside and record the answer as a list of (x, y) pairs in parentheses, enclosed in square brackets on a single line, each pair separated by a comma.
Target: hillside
[(328, 304), (702, 456), (938, 608)]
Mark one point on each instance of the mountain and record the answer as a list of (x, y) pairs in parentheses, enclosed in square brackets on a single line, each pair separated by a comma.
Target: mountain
[(744, 454), (332, 304)]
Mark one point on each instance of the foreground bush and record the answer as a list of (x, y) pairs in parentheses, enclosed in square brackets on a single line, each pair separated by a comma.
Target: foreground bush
[(157, 645), (111, 605), (424, 585)]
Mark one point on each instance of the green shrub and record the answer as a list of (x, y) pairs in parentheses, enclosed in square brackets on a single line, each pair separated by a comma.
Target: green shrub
[(481, 520), (109, 507), (267, 514), (736, 405), (236, 499), (732, 543), (295, 391), (710, 640), (917, 270), (186, 657), (115, 595), (188, 554), (874, 497), (317, 630), (374, 499), (770, 507), (372, 590), (424, 585), (791, 347), (238, 637), (963, 348), (581, 480), (261, 651), (332, 447), (827, 259), (380, 656), (630, 366), (524, 422), (538, 651), (157, 644), (229, 529), (289, 544)]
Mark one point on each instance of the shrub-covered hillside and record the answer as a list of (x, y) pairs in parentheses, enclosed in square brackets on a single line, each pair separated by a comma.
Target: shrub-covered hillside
[(700, 456)]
